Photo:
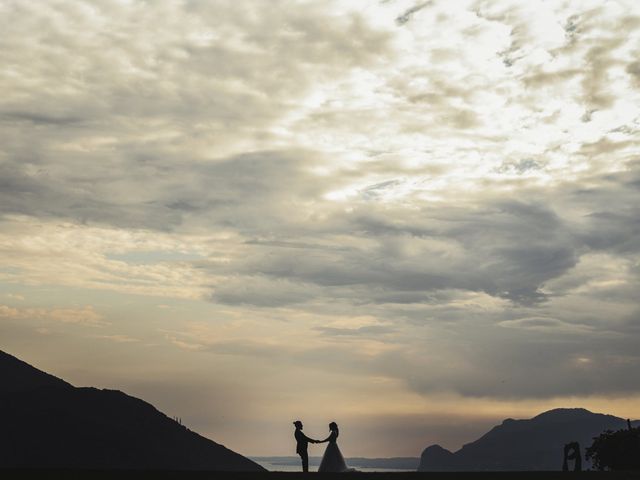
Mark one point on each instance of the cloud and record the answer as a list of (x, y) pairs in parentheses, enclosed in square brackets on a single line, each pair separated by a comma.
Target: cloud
[(86, 316), (368, 330), (406, 16), (15, 296), (118, 338), (419, 252), (437, 196), (551, 325)]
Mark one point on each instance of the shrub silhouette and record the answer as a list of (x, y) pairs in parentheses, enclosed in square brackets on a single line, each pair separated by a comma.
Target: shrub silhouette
[(618, 450)]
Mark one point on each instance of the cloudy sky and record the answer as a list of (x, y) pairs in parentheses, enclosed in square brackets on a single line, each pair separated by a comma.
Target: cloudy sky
[(415, 218)]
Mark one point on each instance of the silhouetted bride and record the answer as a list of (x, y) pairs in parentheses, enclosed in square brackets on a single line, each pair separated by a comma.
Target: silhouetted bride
[(333, 461)]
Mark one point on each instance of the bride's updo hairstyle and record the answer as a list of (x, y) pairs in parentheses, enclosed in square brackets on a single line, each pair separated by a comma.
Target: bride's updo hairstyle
[(333, 426)]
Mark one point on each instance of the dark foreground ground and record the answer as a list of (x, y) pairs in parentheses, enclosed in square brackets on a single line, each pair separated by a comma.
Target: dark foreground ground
[(7, 474)]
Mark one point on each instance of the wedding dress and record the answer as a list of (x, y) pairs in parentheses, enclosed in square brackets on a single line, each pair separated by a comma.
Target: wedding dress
[(332, 460)]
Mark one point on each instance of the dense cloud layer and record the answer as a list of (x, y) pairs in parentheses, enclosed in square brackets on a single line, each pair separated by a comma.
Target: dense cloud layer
[(441, 195)]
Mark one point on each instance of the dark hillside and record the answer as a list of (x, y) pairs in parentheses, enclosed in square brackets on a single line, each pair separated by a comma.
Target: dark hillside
[(517, 445), (48, 423)]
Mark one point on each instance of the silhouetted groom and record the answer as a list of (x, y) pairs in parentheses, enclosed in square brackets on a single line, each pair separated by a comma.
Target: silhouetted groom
[(302, 441)]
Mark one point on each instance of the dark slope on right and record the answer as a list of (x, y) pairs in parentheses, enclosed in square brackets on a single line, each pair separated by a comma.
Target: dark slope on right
[(533, 444)]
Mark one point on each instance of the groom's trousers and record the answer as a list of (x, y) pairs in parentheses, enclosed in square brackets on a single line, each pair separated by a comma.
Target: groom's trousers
[(305, 461)]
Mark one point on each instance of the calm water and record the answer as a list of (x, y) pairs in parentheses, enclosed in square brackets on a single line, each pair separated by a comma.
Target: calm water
[(314, 468)]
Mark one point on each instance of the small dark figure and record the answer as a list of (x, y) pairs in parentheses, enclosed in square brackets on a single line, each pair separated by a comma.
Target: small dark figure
[(302, 442), (572, 452)]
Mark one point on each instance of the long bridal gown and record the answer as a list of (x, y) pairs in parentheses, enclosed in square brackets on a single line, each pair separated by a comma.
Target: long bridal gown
[(332, 460)]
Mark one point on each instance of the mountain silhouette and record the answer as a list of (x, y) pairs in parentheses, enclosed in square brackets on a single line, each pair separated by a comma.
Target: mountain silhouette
[(48, 423), (16, 376), (533, 444)]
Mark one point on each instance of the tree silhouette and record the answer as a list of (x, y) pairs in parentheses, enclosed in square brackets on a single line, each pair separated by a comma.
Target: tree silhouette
[(618, 450)]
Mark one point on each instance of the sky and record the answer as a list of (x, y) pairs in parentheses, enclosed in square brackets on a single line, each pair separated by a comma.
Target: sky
[(414, 218)]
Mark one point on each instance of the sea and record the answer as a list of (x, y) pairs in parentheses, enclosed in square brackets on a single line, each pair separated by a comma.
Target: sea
[(313, 467)]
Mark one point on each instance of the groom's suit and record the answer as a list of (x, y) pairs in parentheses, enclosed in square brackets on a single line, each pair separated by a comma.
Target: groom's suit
[(302, 442)]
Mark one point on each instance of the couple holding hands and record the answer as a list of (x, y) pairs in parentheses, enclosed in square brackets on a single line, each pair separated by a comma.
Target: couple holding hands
[(332, 460)]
